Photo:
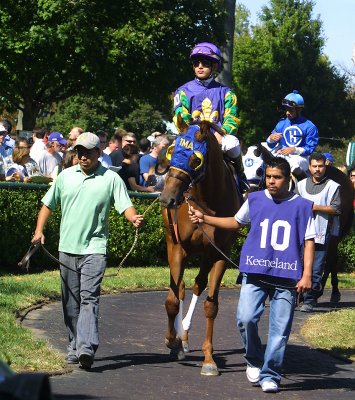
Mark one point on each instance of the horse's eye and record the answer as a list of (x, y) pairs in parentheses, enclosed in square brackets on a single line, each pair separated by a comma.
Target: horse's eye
[(196, 160)]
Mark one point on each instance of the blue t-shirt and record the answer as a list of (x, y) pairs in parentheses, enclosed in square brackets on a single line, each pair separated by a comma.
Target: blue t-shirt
[(145, 163), (277, 233)]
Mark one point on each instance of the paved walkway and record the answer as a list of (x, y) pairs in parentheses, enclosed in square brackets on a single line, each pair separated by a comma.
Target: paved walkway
[(132, 361)]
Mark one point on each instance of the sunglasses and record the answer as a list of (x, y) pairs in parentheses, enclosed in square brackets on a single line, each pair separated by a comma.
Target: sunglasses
[(130, 141), (204, 62)]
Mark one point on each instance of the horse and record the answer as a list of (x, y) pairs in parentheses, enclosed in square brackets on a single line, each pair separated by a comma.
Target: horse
[(345, 219), (198, 175)]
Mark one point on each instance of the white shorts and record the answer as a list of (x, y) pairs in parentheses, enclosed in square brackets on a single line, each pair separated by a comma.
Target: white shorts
[(230, 146)]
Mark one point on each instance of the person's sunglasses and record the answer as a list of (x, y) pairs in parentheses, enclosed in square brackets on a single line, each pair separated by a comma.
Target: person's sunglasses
[(204, 62), (131, 141)]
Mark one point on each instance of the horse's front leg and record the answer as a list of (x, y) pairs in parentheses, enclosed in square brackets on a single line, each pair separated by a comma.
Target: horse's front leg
[(200, 285), (209, 366), (172, 303)]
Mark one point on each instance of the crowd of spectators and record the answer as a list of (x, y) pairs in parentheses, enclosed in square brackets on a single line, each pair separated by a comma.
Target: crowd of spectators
[(46, 153)]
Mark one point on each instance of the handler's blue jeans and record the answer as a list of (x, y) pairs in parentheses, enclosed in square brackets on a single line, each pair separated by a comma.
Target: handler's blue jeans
[(80, 299), (320, 254), (250, 307)]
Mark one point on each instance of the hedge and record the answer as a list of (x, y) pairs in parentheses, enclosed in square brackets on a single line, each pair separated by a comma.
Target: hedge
[(20, 203)]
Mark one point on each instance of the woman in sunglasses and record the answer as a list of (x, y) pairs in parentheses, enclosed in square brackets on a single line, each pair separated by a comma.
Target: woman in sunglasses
[(204, 98), (294, 137)]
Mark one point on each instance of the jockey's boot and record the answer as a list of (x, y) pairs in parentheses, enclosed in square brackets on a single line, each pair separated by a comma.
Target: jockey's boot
[(239, 170)]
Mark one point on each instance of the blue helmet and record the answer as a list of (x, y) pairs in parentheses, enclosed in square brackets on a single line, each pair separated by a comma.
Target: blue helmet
[(293, 100), (207, 50)]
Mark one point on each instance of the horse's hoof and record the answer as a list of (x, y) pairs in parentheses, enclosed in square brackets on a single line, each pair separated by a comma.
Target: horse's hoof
[(185, 346), (177, 354), (209, 370), (176, 349)]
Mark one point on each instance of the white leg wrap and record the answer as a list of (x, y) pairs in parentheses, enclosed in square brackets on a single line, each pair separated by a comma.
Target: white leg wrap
[(186, 323), (178, 320)]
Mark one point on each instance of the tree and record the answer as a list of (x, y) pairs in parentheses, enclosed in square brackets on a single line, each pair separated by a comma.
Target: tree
[(281, 53), (54, 49)]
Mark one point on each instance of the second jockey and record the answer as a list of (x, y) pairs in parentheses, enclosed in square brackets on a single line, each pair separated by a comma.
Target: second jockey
[(206, 99), (294, 137)]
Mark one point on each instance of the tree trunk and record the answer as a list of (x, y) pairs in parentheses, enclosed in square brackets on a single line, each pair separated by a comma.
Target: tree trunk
[(30, 113), (225, 76)]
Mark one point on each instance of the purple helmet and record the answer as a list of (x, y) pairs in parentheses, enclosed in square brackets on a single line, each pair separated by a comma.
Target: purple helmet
[(207, 50)]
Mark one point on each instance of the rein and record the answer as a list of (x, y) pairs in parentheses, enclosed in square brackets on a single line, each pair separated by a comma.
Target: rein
[(25, 261)]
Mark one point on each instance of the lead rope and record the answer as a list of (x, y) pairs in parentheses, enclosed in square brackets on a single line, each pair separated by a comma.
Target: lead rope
[(24, 263), (134, 242)]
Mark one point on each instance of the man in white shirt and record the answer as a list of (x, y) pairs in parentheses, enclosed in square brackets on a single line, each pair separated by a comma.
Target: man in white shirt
[(50, 158)]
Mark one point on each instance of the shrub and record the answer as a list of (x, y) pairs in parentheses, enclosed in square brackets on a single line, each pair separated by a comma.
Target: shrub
[(19, 216)]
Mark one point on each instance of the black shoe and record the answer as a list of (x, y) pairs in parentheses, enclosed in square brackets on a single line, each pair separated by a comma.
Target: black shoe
[(335, 297), (85, 360), (71, 359)]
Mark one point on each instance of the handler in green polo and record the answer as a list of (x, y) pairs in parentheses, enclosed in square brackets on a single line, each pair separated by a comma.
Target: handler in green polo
[(85, 192)]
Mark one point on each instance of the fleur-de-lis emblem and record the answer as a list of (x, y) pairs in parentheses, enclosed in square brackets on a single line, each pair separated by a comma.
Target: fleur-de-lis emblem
[(206, 113)]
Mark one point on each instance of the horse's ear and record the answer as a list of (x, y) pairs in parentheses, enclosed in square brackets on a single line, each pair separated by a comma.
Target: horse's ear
[(181, 124), (201, 134)]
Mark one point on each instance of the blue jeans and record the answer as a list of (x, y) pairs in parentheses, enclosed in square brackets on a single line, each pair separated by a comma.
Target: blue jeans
[(250, 308), (320, 254), (80, 288)]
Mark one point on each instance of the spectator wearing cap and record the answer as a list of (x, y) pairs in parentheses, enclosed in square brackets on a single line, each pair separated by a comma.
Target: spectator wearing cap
[(92, 189), (329, 160), (50, 159), (3, 133), (8, 143), (5, 157)]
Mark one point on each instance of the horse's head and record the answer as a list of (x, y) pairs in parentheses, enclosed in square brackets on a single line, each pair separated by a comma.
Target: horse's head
[(188, 161)]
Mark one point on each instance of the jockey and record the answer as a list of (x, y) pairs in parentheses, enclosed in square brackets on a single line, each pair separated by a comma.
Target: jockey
[(206, 99), (294, 137)]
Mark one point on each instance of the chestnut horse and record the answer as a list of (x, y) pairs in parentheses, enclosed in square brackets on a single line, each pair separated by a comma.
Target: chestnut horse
[(199, 176)]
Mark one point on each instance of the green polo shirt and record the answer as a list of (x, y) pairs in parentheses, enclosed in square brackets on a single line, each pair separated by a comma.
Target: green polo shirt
[(85, 203)]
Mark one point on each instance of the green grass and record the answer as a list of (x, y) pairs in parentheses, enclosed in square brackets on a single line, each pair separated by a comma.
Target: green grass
[(334, 331), (24, 352)]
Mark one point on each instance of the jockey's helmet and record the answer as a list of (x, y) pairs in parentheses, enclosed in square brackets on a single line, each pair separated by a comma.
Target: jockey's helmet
[(293, 100), (207, 50)]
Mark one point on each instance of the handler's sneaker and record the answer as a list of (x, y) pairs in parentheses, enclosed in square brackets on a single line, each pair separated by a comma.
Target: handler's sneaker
[(253, 374), (306, 307), (71, 359), (269, 387)]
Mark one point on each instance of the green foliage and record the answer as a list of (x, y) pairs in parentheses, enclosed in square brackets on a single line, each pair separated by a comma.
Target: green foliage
[(120, 49), (19, 222), (281, 53), (89, 112), (143, 120)]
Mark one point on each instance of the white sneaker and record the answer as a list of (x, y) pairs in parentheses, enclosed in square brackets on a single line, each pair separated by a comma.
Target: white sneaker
[(269, 387), (253, 374)]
